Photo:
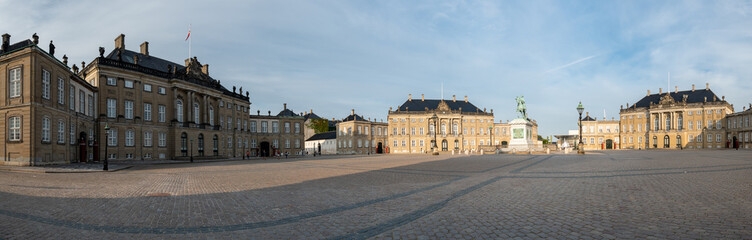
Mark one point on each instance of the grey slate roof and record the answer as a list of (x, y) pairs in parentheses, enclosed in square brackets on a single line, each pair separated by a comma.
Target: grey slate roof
[(324, 135), (146, 61), (287, 113), (696, 96), (431, 104), (17, 46), (353, 117), (588, 118), (311, 116)]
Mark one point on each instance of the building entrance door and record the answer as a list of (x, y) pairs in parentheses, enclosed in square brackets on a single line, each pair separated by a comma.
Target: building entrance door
[(609, 144), (444, 145), (264, 150), (380, 148), (82, 147), (666, 141)]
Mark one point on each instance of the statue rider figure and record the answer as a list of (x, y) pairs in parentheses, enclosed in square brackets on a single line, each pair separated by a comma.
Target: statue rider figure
[(521, 109)]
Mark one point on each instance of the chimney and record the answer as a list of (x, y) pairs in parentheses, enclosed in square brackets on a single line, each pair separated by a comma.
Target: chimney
[(6, 42), (693, 87), (454, 99), (676, 89), (621, 107), (332, 119), (120, 41), (135, 59), (311, 110), (706, 99), (587, 114), (660, 91), (409, 97), (648, 92), (707, 86), (36, 38), (421, 97), (145, 48), (465, 98), (205, 69), (723, 98), (491, 110), (390, 109), (352, 111), (715, 98), (284, 105)]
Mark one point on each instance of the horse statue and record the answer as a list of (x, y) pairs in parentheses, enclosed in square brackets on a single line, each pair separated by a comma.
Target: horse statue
[(521, 109)]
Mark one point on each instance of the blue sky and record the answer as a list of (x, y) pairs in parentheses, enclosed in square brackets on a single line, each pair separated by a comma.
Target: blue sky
[(333, 56)]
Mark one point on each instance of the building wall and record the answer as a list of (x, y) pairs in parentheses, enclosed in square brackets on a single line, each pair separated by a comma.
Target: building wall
[(361, 137), (473, 130), (278, 138), (739, 127), (596, 135)]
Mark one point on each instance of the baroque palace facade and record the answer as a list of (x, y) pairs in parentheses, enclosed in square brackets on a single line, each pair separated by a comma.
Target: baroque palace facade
[(681, 119), (141, 106), (425, 125), (356, 135)]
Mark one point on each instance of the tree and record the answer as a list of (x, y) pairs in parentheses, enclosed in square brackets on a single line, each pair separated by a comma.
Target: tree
[(545, 140), (319, 125)]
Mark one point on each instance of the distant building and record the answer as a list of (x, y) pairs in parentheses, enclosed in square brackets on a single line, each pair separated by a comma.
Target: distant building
[(322, 143), (740, 129), (599, 135), (48, 110), (276, 134), (310, 117), (356, 135), (687, 119)]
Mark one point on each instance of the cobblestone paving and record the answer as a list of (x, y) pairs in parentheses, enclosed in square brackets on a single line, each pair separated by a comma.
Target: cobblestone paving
[(601, 195)]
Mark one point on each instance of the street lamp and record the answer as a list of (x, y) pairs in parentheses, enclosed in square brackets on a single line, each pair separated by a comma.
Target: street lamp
[(107, 143), (580, 150), (435, 122), (191, 149), (490, 133)]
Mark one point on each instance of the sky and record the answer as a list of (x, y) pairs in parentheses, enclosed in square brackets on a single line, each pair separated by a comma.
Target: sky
[(334, 56)]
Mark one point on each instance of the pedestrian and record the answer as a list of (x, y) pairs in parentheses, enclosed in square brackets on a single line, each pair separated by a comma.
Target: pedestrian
[(286, 154)]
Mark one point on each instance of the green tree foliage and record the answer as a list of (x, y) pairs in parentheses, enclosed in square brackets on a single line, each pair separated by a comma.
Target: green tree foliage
[(545, 140), (319, 125)]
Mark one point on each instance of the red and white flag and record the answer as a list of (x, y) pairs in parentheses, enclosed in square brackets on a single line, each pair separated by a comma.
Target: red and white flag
[(189, 33)]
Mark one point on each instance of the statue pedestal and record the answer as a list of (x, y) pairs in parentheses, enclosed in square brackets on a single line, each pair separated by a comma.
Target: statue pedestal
[(522, 135)]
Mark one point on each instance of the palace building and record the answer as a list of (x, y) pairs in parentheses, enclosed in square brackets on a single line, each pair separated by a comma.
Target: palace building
[(680, 119), (276, 134), (599, 135), (48, 110), (424, 125), (740, 129), (356, 135)]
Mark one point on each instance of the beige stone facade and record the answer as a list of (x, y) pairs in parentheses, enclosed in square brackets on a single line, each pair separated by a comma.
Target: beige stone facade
[(356, 135), (424, 125), (599, 135), (681, 119), (157, 109), (740, 129), (48, 111), (277, 134)]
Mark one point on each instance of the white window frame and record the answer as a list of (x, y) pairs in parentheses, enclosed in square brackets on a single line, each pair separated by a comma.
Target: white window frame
[(162, 90), (147, 111), (15, 82), (128, 109), (130, 138), (147, 87), (60, 131), (45, 84), (14, 128), (111, 81), (128, 84), (60, 91), (46, 123)]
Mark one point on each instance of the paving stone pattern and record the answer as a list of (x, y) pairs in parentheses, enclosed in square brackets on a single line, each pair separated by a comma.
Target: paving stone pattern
[(601, 195)]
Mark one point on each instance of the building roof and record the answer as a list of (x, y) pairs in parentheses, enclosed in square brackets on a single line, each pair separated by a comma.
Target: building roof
[(17, 46), (432, 104), (323, 136), (353, 117), (588, 118), (287, 113), (693, 96), (311, 115)]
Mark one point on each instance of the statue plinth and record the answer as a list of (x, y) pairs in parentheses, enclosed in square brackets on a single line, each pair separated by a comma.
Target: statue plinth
[(522, 135)]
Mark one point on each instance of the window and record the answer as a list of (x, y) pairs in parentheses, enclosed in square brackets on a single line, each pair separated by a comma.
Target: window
[(161, 90), (699, 125), (179, 110), (710, 124), (201, 144), (15, 82), (394, 131), (275, 143), (111, 81), (211, 116), (46, 129), (245, 125), (162, 139), (275, 127), (60, 131), (668, 123), (130, 136), (60, 91), (91, 105), (423, 143), (395, 141), (14, 128), (297, 143), (238, 122), (45, 84), (402, 131), (72, 133), (691, 138), (718, 124), (287, 127), (710, 138), (655, 124), (72, 98), (184, 144), (221, 103), (421, 131), (147, 87), (592, 140), (229, 142), (403, 143), (161, 109), (253, 126), (196, 113), (128, 84), (229, 122), (264, 127), (147, 111), (699, 138), (147, 139), (128, 109), (287, 143), (297, 128), (718, 136), (215, 145), (691, 125)]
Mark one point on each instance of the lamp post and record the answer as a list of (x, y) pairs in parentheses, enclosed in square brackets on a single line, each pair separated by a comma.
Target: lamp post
[(490, 133), (580, 150), (435, 121), (107, 143), (191, 149)]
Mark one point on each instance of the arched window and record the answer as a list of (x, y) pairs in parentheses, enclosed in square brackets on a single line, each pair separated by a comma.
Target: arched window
[(179, 110), (655, 124), (456, 142), (678, 141), (443, 129), (454, 129), (655, 141), (668, 122), (666, 140), (215, 140), (211, 116), (196, 113), (201, 144), (184, 144)]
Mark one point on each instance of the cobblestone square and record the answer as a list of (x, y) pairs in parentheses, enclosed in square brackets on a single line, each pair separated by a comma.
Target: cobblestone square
[(601, 195)]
